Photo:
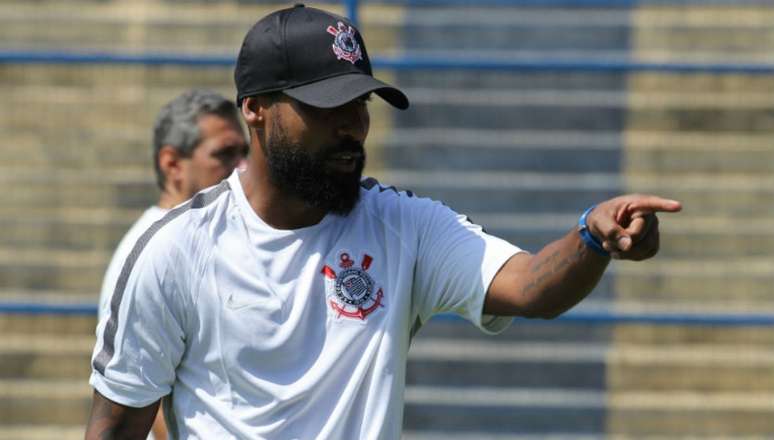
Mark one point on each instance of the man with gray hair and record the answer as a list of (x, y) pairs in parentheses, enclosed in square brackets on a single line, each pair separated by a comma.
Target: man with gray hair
[(197, 142)]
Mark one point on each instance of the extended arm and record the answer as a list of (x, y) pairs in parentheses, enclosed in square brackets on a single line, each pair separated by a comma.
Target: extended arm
[(550, 282), (110, 420)]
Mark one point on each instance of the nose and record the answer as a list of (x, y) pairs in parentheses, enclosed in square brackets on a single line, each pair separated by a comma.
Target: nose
[(353, 121)]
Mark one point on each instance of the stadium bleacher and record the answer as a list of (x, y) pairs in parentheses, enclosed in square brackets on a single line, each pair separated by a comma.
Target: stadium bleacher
[(521, 151)]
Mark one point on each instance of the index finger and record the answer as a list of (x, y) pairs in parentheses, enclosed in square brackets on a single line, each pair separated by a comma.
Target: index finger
[(649, 204)]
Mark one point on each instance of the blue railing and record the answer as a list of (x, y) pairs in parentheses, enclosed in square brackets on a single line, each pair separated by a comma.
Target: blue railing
[(568, 3), (409, 62), (572, 317), (21, 308)]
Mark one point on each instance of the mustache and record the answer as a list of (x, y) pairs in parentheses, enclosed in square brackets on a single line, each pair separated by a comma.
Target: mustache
[(345, 146)]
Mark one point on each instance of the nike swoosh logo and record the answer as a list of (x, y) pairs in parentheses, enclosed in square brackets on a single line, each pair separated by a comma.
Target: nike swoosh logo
[(233, 303)]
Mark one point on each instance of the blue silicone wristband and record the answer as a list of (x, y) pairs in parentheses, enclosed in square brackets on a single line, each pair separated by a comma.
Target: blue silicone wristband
[(587, 237)]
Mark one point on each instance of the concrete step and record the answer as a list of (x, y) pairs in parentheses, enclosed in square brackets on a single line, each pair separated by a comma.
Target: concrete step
[(33, 431), (487, 192), (46, 297), (704, 29), (579, 116), (134, 32), (51, 325), (154, 84), (747, 280), (76, 278), (424, 433), (194, 27), (645, 95), (543, 35), (36, 232), (489, 363), (709, 44), (699, 84), (710, 120), (50, 402), (38, 152), (26, 357), (504, 410), (760, 337), (442, 327), (68, 193), (702, 367), (511, 80), (579, 150), (694, 415), (525, 117), (66, 217), (51, 269), (644, 90), (439, 156), (557, 16), (549, 411), (716, 15)]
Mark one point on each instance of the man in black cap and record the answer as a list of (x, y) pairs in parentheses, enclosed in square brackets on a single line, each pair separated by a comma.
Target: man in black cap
[(281, 303)]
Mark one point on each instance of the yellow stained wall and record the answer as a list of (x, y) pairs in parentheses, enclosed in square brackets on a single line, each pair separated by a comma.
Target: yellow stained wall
[(704, 139)]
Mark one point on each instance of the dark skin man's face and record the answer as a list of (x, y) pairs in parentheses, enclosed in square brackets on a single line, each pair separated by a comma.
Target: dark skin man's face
[(317, 155)]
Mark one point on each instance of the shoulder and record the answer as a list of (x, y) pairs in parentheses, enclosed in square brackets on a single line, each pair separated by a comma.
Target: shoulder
[(399, 209), (373, 187), (381, 197), (386, 199), (185, 225), (123, 250)]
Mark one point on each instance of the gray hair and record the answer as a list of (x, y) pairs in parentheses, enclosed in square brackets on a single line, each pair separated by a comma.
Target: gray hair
[(177, 124)]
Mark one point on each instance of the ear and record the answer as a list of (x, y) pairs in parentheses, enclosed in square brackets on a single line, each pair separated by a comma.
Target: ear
[(170, 163), (254, 112)]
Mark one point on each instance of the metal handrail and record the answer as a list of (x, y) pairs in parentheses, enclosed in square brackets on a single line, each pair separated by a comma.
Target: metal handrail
[(571, 317), (407, 62), (569, 3)]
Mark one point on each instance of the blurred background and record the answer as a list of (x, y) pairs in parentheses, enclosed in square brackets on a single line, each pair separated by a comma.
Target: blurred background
[(524, 113)]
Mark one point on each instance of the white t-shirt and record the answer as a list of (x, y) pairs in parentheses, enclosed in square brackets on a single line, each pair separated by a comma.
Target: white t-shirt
[(122, 251), (288, 334)]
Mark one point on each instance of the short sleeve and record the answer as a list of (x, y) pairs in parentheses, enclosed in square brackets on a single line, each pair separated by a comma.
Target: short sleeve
[(141, 340), (456, 263)]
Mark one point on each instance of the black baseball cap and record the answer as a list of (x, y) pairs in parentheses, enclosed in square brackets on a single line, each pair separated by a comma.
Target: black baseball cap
[(311, 55)]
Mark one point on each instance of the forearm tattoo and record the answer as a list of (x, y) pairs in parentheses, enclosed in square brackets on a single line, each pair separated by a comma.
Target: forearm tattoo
[(551, 265)]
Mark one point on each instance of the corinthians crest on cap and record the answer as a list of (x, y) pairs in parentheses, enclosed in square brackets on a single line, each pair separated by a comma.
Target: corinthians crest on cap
[(345, 45), (352, 292)]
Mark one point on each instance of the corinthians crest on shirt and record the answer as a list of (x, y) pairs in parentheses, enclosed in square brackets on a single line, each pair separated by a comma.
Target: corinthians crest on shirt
[(350, 290), (345, 45)]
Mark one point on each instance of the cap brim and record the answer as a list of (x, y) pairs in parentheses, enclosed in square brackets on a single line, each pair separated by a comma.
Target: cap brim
[(339, 90)]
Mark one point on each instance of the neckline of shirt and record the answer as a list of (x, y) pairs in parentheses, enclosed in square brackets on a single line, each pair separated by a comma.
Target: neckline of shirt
[(254, 221)]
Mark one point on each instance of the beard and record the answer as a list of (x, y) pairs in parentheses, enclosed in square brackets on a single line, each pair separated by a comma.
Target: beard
[(304, 175)]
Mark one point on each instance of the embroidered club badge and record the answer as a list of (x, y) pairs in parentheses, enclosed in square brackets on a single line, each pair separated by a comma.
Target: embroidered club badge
[(345, 45), (351, 291)]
